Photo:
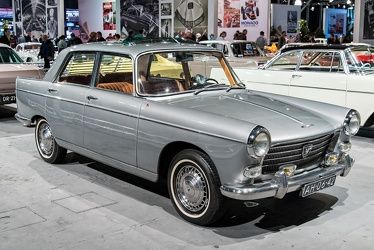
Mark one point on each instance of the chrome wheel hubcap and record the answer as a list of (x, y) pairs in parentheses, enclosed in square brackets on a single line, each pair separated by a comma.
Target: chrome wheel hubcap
[(192, 189), (45, 139)]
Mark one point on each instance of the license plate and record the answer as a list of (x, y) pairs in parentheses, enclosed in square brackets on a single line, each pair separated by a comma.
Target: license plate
[(7, 98), (316, 186)]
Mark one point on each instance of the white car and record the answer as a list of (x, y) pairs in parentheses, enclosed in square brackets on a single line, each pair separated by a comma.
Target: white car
[(29, 52), (239, 51), (328, 74)]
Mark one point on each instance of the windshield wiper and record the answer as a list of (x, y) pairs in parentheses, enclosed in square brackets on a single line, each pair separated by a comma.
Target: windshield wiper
[(235, 87), (219, 85)]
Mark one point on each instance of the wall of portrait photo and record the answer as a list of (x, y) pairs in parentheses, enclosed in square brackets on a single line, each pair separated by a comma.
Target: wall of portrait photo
[(285, 18)]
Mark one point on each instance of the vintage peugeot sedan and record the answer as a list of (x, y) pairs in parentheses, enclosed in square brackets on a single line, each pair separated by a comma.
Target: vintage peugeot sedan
[(208, 138), (12, 66), (330, 74)]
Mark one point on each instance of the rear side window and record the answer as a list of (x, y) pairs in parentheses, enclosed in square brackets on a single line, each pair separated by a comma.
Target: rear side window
[(79, 69), (115, 74)]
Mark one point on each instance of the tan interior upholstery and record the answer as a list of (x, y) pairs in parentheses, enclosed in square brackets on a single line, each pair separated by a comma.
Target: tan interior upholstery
[(124, 87)]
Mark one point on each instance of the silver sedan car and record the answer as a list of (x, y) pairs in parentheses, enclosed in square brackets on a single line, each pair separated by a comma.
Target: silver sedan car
[(154, 110)]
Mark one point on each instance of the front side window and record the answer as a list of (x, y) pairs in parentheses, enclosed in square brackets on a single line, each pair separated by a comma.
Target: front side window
[(287, 62), (182, 71), (79, 69), (115, 74)]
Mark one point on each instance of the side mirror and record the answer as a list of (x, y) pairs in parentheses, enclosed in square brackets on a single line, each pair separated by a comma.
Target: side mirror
[(29, 59)]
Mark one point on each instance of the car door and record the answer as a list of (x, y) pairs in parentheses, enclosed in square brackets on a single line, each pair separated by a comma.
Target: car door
[(321, 77), (112, 110), (275, 77), (67, 97)]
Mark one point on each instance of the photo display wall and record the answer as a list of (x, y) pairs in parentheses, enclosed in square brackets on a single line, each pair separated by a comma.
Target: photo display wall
[(251, 15), (36, 16), (368, 19)]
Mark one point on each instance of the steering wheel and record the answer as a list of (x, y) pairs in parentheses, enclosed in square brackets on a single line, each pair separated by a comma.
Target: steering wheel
[(211, 79)]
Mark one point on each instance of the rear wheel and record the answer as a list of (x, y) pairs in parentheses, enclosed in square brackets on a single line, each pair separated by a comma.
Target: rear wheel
[(46, 144), (193, 185)]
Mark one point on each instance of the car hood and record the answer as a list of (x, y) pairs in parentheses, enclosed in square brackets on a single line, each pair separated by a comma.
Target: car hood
[(283, 120)]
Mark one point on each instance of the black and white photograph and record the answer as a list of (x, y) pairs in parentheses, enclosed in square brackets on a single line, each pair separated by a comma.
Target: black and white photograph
[(34, 16), (166, 9), (166, 27), (18, 28), (17, 11), (139, 16), (190, 14), (291, 21), (52, 26), (52, 2), (369, 20)]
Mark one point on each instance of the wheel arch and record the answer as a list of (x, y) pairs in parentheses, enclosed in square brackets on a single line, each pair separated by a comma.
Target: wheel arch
[(167, 154), (370, 121)]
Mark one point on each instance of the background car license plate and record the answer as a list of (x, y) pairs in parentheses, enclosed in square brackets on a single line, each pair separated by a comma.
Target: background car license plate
[(313, 187), (7, 98)]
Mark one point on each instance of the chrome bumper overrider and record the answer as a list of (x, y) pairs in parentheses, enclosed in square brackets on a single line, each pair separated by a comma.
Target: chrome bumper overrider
[(281, 184), (25, 121)]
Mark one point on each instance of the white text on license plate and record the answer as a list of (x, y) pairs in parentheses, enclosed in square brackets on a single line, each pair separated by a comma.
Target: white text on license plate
[(313, 187)]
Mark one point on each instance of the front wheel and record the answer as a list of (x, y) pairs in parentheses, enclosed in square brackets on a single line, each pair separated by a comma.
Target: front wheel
[(193, 185), (46, 144)]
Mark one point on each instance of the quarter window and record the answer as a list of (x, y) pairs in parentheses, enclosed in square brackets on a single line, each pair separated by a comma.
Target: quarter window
[(79, 69), (115, 74)]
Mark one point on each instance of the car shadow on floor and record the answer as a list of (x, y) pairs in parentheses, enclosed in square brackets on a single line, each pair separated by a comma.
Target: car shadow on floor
[(270, 215)]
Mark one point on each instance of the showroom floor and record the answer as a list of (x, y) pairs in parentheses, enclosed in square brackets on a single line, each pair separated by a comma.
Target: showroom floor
[(82, 204)]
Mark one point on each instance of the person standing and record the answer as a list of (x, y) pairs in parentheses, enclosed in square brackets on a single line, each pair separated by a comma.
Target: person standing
[(6, 37), (28, 37), (61, 43), (100, 37), (261, 41), (47, 51), (331, 39), (93, 37)]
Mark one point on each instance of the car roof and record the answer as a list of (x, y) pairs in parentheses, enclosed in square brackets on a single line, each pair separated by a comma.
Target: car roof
[(225, 41), (136, 49), (316, 47), (30, 43)]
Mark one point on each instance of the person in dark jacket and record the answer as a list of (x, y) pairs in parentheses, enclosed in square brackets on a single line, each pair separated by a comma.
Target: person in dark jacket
[(47, 51), (6, 37)]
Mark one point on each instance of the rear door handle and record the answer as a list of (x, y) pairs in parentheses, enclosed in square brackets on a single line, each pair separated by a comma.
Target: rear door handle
[(296, 76), (51, 90), (90, 97)]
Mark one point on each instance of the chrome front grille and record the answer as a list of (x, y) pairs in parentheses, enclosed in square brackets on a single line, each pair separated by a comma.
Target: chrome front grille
[(292, 152)]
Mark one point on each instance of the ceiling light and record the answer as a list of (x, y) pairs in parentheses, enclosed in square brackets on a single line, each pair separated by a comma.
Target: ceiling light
[(298, 2), (349, 1), (312, 8)]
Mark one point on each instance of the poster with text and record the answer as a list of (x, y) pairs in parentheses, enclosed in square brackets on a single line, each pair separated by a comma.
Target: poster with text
[(237, 15), (109, 14), (335, 21)]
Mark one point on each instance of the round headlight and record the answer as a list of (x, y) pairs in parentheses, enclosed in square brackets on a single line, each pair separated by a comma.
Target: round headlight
[(261, 144), (352, 123), (258, 142)]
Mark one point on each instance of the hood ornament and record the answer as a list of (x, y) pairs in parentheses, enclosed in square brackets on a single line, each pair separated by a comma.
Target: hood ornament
[(307, 125), (306, 150)]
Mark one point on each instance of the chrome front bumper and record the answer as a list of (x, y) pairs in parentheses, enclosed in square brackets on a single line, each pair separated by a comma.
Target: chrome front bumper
[(281, 184), (25, 121)]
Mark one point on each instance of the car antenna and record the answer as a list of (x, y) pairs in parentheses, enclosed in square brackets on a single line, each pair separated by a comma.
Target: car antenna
[(162, 30)]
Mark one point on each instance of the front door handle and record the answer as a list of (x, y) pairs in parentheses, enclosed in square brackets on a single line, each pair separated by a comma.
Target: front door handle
[(51, 90), (296, 76), (90, 97)]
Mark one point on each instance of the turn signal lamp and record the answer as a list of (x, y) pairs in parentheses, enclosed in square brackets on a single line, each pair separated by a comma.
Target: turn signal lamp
[(288, 170), (252, 172), (331, 159)]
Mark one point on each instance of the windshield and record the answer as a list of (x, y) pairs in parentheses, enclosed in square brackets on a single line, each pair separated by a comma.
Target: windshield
[(356, 66), (364, 54), (9, 56), (182, 71), (245, 49)]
